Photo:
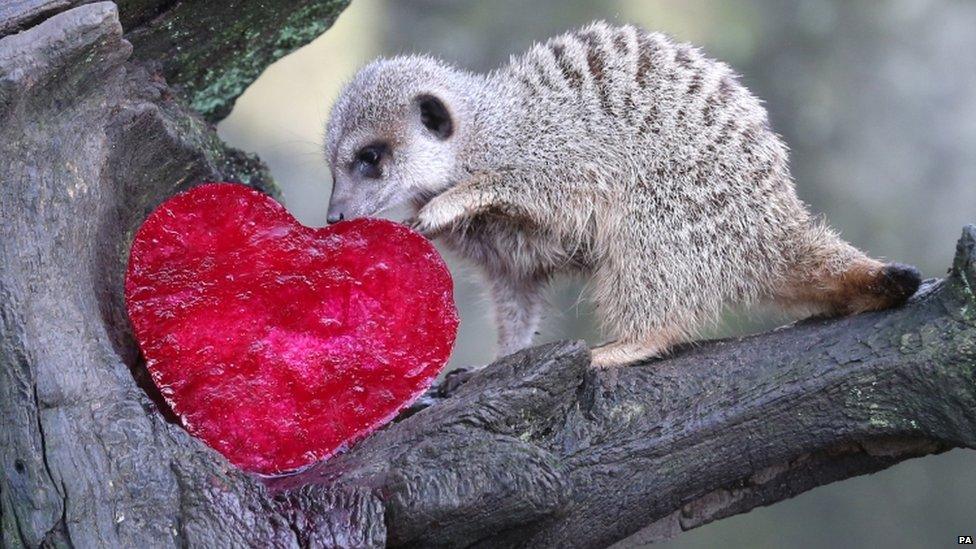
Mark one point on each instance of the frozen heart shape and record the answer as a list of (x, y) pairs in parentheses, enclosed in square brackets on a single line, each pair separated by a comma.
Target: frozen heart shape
[(279, 344)]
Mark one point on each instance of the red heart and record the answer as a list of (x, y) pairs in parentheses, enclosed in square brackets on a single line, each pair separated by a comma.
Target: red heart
[(279, 344)]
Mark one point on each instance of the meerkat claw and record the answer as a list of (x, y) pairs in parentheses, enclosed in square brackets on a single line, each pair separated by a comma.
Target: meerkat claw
[(414, 224), (418, 225)]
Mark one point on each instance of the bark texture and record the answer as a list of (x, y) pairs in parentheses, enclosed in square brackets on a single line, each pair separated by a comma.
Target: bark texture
[(210, 51), (536, 450)]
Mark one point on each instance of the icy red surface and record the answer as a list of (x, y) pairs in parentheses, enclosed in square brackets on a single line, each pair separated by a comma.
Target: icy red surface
[(279, 344)]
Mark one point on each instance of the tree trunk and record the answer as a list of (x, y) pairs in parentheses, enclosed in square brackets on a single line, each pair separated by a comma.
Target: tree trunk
[(536, 450)]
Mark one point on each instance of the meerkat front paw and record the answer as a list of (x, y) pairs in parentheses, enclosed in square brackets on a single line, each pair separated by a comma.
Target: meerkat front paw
[(436, 217)]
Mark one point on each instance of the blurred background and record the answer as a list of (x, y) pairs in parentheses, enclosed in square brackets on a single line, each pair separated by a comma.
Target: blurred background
[(877, 101)]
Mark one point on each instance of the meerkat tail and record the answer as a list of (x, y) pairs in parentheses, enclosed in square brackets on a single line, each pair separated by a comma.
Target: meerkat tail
[(832, 277)]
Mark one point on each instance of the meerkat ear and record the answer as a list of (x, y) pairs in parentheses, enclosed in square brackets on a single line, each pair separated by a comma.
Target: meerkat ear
[(435, 116)]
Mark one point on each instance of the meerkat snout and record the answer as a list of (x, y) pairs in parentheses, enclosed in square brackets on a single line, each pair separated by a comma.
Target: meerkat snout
[(611, 152)]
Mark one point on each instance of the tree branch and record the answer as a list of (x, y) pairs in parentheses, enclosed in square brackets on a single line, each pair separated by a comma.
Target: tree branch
[(536, 450), (670, 445), (209, 51), (212, 51)]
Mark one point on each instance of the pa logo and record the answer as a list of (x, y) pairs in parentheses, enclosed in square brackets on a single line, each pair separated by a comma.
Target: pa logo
[(964, 540)]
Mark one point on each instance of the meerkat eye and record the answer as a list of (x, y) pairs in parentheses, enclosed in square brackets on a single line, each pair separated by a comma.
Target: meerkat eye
[(369, 155), (368, 160), (435, 116)]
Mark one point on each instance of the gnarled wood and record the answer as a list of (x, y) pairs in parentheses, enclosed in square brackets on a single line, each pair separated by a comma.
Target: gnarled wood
[(208, 51), (536, 450)]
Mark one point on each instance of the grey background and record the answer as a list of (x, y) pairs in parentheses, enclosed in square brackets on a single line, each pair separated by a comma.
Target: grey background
[(877, 100)]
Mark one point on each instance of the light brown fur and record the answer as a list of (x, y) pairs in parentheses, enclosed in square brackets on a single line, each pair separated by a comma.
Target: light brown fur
[(608, 151)]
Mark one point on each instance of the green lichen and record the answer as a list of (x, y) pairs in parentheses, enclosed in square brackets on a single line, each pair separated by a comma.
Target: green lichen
[(964, 265), (910, 343), (968, 310), (627, 411), (965, 344), (213, 53), (230, 164), (879, 422), (931, 335), (215, 92), (884, 418)]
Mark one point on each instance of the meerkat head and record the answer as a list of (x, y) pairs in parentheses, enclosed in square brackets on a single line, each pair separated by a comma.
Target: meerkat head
[(394, 135)]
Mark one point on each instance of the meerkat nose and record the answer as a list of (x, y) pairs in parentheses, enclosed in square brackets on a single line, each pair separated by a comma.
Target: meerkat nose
[(335, 217)]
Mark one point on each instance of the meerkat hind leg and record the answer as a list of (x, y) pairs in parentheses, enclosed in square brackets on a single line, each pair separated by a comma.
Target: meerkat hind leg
[(621, 353), (518, 310)]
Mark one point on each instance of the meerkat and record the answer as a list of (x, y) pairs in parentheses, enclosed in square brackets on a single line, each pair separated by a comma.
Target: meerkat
[(610, 151)]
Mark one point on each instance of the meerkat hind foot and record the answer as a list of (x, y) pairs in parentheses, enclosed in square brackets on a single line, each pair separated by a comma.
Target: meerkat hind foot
[(617, 354)]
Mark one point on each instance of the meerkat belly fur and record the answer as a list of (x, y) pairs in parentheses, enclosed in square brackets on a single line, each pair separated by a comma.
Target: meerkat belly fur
[(609, 151)]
